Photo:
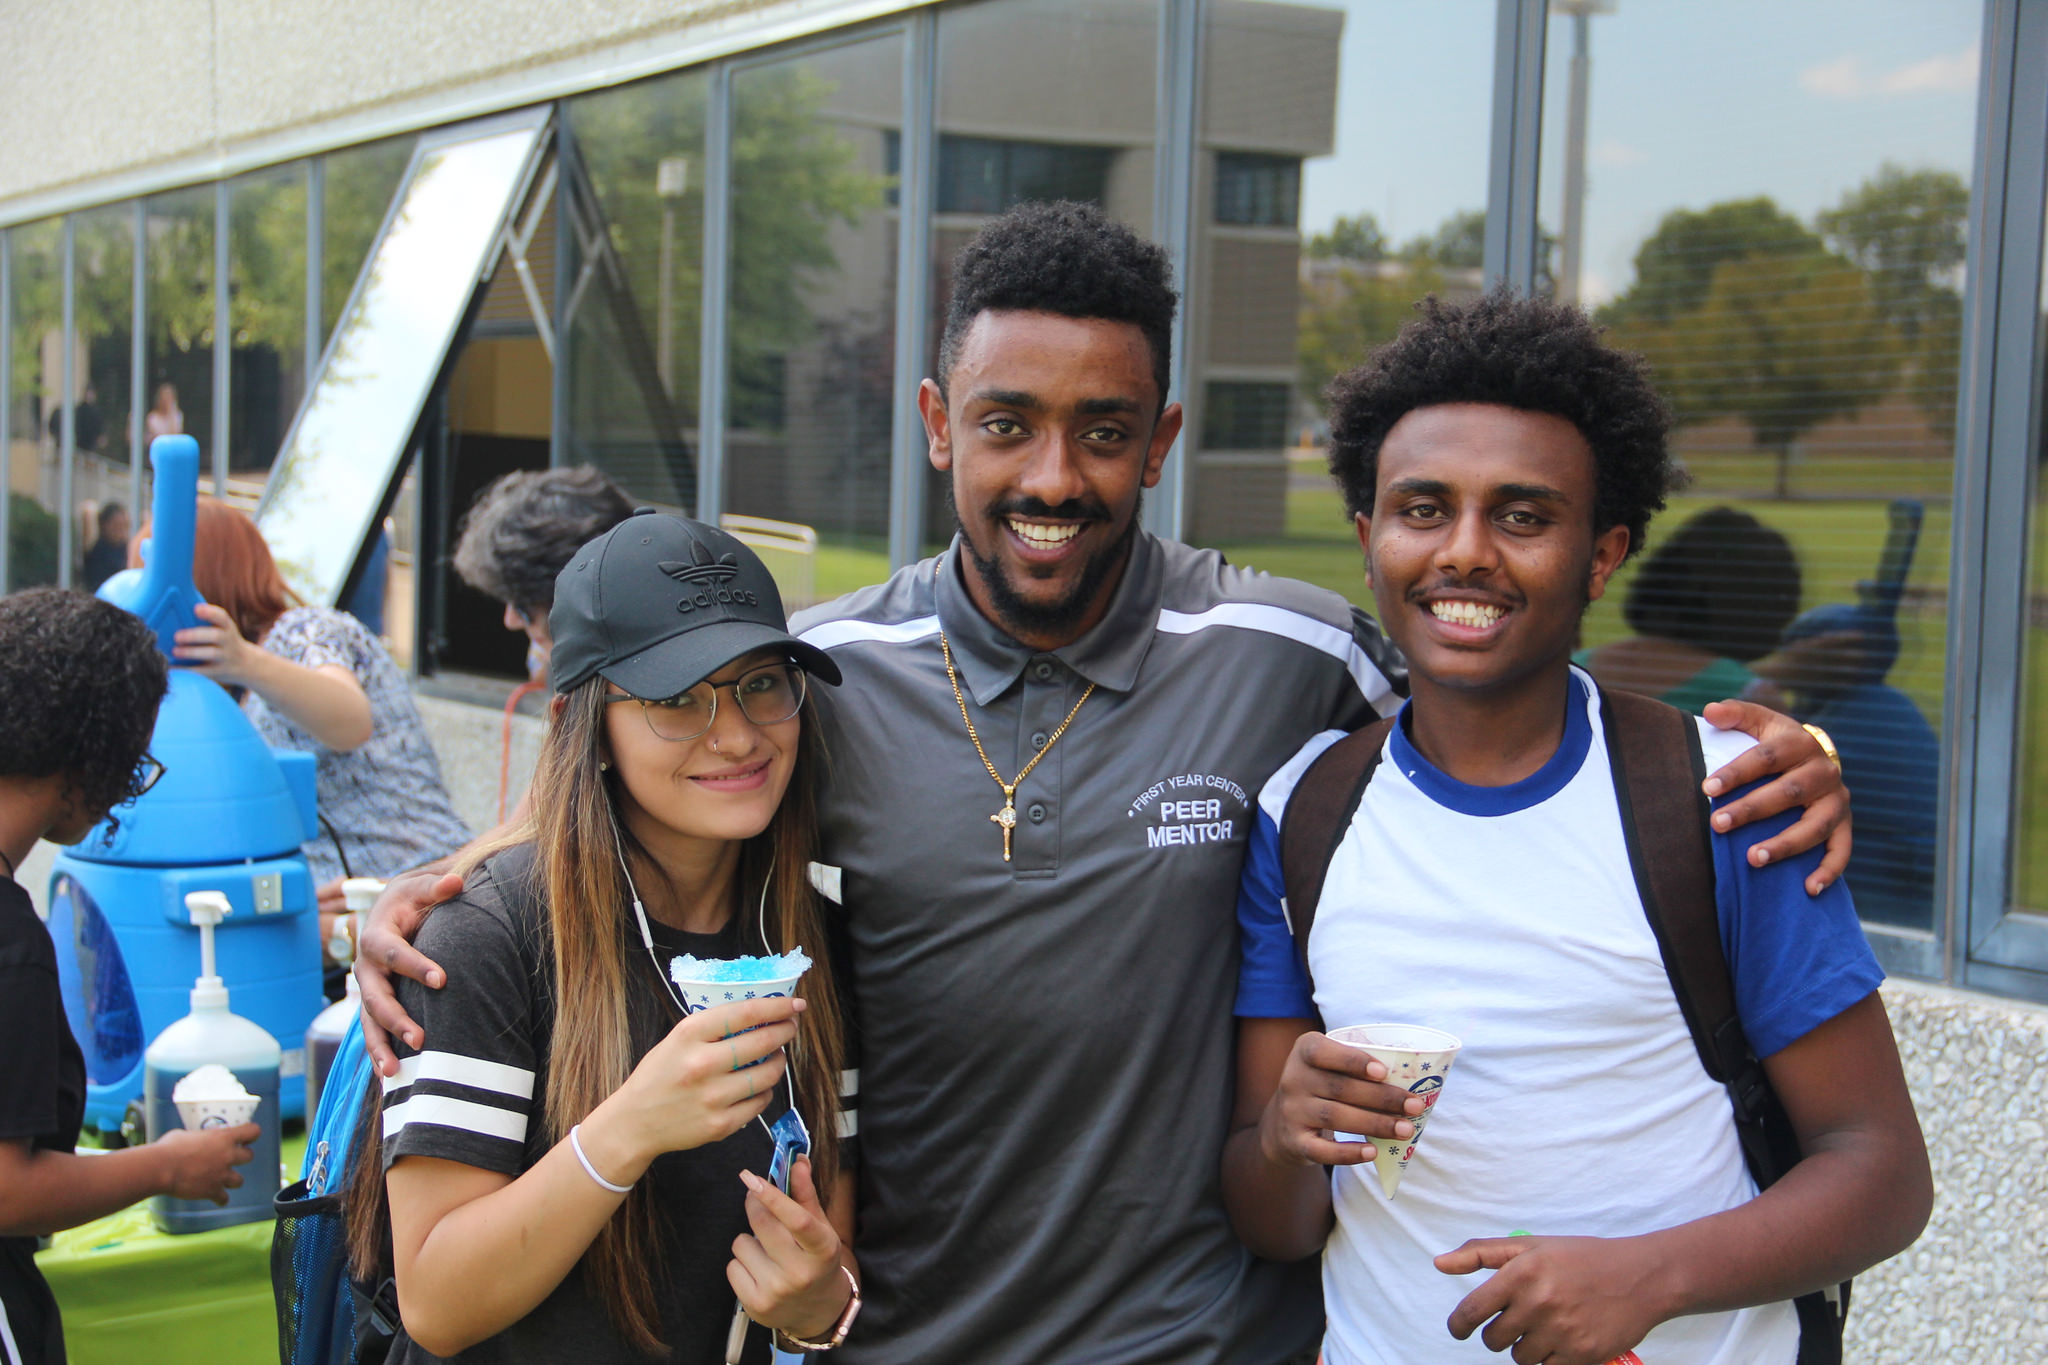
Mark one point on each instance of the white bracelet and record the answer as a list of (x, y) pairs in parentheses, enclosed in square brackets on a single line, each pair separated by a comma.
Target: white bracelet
[(576, 1146)]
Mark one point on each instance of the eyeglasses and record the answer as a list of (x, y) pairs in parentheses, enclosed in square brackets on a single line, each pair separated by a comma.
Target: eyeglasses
[(148, 772), (767, 695)]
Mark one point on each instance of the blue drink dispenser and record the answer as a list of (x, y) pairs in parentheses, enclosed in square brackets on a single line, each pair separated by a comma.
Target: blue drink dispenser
[(228, 815)]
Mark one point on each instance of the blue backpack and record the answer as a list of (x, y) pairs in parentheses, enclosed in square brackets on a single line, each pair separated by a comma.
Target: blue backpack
[(323, 1317)]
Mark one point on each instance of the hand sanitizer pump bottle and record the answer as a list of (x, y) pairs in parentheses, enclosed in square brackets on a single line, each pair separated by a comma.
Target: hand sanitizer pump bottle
[(211, 1034)]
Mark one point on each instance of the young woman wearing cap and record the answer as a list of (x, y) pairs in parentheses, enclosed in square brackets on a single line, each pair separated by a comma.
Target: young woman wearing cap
[(80, 681), (573, 1167)]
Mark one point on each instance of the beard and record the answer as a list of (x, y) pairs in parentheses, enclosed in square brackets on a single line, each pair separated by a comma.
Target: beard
[(1024, 616)]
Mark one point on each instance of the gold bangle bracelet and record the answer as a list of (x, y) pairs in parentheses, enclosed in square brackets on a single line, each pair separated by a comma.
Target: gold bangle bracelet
[(1827, 746)]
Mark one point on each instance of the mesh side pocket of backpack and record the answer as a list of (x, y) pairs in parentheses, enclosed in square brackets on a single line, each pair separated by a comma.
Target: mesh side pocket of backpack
[(309, 1279)]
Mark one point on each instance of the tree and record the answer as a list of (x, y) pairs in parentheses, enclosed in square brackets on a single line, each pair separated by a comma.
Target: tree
[(1351, 239), (1347, 313), (1675, 265), (1909, 232), (1459, 242)]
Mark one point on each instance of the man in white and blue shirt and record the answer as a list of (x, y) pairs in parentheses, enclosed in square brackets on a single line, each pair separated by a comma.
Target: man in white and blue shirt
[(1501, 465)]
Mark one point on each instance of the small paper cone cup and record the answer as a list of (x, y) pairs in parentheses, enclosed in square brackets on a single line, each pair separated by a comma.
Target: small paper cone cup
[(200, 1114), (704, 995), (1417, 1059)]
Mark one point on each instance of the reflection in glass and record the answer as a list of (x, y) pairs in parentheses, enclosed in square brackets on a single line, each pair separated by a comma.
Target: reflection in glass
[(1329, 208), (1038, 99), (32, 470), (642, 146), (1784, 237), (345, 448), (812, 317), (2030, 835), (356, 194), (179, 230), (105, 303), (267, 306)]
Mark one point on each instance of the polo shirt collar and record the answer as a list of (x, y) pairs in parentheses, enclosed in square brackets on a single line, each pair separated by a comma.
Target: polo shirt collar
[(1109, 655)]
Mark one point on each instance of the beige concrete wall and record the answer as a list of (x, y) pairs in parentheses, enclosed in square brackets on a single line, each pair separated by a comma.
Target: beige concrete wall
[(97, 88)]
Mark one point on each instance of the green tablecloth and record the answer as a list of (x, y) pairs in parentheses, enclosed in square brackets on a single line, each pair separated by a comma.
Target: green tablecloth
[(131, 1295)]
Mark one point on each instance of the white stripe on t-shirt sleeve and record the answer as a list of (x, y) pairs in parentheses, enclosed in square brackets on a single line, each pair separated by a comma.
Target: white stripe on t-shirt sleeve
[(7, 1330), (833, 634), (1291, 625), (456, 1069), (443, 1111)]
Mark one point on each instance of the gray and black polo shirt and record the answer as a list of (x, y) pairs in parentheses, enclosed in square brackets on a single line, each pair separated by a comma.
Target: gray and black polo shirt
[(1047, 1043)]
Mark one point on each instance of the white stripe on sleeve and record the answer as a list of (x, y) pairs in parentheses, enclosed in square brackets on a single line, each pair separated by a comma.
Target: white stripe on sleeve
[(833, 634), (456, 1069), (849, 1082), (849, 1123), (1290, 625), (444, 1112)]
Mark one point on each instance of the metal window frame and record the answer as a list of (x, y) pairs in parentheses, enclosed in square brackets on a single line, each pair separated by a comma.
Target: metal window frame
[(917, 202), (138, 358), (6, 404), (1995, 947), (67, 399), (1176, 134), (1521, 29)]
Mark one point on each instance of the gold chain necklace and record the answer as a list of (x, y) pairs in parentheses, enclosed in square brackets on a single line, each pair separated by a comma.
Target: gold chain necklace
[(1007, 816)]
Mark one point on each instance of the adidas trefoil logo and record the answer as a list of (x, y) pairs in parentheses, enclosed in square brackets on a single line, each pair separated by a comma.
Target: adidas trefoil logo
[(703, 568)]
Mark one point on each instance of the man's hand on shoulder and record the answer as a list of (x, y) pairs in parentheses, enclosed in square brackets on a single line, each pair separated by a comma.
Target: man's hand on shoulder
[(1560, 1300), (1803, 775), (385, 950)]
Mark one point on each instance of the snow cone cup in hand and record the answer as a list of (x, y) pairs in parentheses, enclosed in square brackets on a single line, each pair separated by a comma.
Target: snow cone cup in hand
[(211, 1097), (1417, 1059), (706, 982)]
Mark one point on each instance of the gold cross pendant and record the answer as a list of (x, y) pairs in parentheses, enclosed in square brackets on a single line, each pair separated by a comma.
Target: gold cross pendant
[(1007, 818)]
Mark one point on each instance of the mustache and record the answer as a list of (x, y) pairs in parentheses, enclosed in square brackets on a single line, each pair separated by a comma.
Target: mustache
[(1073, 509), (1417, 594)]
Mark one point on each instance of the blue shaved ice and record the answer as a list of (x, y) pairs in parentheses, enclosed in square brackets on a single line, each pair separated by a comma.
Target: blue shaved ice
[(780, 967)]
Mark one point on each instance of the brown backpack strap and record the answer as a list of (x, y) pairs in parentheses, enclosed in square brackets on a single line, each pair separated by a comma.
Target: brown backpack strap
[(1318, 813)]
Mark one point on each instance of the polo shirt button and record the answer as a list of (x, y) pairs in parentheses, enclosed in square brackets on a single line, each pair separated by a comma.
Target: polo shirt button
[(1037, 813), (1043, 671), (1038, 738)]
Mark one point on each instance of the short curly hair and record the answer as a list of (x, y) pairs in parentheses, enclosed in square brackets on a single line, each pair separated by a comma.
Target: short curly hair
[(1065, 258), (1517, 352), (523, 529), (80, 682)]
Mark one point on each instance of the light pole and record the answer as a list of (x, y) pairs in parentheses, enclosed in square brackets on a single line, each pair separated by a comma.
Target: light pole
[(1572, 230), (671, 180)]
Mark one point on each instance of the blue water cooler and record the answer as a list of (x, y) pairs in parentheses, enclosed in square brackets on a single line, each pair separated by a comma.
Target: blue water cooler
[(228, 815)]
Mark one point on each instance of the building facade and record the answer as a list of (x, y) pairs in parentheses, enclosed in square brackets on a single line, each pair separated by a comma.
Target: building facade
[(373, 256)]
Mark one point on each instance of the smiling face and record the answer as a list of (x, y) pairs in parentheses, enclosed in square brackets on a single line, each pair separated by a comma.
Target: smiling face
[(1051, 429), (1481, 547), (724, 785)]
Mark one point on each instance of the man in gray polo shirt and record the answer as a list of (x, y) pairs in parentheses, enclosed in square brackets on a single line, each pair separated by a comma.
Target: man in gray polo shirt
[(1045, 963)]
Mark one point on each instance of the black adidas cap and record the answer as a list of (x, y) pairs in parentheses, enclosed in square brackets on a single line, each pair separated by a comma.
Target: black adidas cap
[(659, 603)]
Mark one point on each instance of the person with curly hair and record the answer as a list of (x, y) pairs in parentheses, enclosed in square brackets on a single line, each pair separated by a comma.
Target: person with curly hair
[(80, 682), (519, 533), (1502, 463)]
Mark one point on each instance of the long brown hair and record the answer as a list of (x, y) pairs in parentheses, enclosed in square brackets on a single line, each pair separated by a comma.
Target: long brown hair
[(232, 568), (595, 948)]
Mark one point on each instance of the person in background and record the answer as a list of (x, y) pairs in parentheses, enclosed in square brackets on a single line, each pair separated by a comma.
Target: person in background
[(315, 679), (164, 417), (80, 682), (109, 554), (1707, 603), (519, 533)]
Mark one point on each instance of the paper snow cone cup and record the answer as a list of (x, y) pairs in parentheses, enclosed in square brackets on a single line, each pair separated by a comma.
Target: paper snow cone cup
[(200, 1114), (1417, 1059), (708, 982)]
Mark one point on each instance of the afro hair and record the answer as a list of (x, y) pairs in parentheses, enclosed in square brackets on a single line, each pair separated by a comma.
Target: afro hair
[(1516, 352), (1070, 259)]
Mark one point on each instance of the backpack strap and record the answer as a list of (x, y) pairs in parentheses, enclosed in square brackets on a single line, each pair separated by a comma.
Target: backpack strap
[(1658, 764), (1318, 814)]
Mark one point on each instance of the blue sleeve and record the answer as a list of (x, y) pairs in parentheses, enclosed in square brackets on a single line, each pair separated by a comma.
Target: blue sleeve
[(1798, 960), (1271, 982)]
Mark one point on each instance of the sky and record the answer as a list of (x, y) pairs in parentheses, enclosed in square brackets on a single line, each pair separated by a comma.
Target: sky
[(1690, 103)]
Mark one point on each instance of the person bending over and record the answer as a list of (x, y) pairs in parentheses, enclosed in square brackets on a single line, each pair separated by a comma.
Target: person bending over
[(1501, 463), (80, 681), (573, 1167)]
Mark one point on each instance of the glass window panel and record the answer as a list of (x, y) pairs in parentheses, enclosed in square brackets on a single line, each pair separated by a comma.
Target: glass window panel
[(267, 309), (1332, 207), (178, 231), (812, 320), (1038, 99), (2030, 805), (359, 183), (32, 468), (1780, 228), (104, 249), (643, 147), (345, 450)]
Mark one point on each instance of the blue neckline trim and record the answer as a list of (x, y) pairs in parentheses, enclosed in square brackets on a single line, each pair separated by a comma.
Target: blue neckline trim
[(1533, 790)]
